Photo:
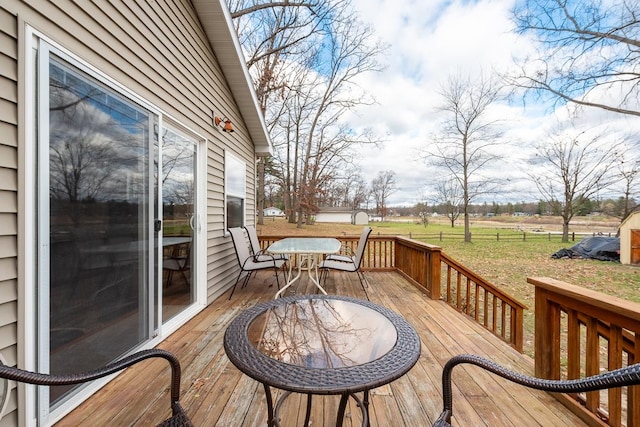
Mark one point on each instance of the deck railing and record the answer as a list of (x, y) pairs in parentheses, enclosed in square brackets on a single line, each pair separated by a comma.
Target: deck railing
[(441, 278), (476, 297), (580, 332)]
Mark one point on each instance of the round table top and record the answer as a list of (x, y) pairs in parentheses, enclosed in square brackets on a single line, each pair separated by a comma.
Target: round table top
[(322, 344)]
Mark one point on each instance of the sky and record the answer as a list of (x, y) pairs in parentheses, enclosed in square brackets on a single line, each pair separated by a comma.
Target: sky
[(429, 41)]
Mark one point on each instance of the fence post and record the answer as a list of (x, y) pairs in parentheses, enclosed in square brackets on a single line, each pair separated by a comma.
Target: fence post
[(524, 236), (497, 237)]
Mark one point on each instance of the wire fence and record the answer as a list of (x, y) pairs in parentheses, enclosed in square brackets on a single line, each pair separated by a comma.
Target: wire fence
[(504, 236)]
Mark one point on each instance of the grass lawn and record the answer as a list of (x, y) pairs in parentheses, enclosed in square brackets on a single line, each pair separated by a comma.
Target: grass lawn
[(499, 254)]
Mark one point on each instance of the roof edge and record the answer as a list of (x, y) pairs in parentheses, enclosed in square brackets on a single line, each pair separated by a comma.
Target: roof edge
[(226, 46)]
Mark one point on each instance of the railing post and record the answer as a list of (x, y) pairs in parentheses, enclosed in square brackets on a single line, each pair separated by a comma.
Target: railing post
[(433, 276), (547, 336)]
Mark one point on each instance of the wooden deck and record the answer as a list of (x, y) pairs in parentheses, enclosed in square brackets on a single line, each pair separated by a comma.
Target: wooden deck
[(215, 393)]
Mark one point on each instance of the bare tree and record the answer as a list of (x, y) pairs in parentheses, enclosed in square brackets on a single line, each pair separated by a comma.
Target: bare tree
[(274, 35), (589, 52), (571, 167), (467, 140), (349, 190), (283, 41), (627, 175), (383, 186), (449, 196)]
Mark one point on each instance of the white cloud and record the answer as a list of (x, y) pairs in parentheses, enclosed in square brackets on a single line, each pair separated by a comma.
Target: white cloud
[(428, 41)]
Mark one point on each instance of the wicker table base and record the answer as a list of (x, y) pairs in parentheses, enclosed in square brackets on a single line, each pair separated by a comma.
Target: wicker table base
[(324, 345)]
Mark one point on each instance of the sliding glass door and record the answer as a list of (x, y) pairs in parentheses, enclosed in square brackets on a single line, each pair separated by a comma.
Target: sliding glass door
[(180, 221), (97, 236), (117, 222)]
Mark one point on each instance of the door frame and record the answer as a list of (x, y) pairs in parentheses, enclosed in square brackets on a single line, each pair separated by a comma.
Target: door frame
[(30, 352), (200, 234)]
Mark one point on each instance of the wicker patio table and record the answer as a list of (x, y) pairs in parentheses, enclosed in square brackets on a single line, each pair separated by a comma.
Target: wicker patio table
[(323, 345)]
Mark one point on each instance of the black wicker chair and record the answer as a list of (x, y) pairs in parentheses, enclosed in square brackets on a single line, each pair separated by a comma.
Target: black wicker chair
[(629, 375), (178, 417)]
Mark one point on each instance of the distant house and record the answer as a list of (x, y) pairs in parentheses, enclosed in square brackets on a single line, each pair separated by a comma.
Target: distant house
[(340, 215), (272, 211)]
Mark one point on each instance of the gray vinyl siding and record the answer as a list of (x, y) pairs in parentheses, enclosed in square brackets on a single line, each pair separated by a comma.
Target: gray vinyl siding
[(159, 51), (9, 197), (155, 49)]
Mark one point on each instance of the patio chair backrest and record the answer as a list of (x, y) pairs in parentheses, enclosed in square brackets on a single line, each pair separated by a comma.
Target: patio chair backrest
[(253, 239), (362, 243), (240, 244), (178, 417)]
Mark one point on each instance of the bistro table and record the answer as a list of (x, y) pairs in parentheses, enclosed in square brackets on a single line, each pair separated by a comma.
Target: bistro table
[(308, 250), (323, 345)]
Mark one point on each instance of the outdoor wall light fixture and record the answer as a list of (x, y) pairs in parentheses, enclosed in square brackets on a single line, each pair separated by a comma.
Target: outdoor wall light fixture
[(223, 123)]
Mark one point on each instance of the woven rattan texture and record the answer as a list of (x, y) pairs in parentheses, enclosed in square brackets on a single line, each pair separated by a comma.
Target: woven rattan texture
[(246, 357), (178, 418), (629, 375)]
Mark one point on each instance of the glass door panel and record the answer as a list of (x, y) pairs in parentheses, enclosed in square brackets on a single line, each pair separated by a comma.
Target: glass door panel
[(179, 219), (99, 227)]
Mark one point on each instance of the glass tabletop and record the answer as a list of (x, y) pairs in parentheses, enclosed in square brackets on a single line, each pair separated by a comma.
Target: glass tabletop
[(305, 245), (322, 333)]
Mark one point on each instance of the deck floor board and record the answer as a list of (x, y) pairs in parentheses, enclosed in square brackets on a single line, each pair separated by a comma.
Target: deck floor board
[(216, 394)]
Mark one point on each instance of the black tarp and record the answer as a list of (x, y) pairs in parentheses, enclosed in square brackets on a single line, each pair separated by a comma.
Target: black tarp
[(597, 247)]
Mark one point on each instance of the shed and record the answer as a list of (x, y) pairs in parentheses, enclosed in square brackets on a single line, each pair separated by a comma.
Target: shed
[(361, 218), (630, 239), (342, 215)]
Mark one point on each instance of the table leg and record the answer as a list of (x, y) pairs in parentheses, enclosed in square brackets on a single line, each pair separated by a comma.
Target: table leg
[(307, 416), (290, 281), (363, 405), (313, 272), (341, 408), (271, 422)]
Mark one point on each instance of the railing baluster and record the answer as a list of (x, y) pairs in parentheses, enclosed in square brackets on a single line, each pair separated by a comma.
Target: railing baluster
[(423, 264)]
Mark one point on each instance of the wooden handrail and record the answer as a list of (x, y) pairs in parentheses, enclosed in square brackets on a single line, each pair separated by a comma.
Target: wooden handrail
[(423, 265), (478, 298), (580, 332)]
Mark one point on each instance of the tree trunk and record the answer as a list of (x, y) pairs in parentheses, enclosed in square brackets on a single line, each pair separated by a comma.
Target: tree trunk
[(260, 190), (467, 231), (565, 230)]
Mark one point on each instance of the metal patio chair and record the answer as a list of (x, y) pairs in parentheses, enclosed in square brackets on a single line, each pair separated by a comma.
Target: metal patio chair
[(248, 262), (178, 262), (629, 375), (178, 416), (348, 261), (258, 253)]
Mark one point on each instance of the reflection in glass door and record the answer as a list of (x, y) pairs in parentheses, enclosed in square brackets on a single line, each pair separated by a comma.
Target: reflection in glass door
[(179, 222), (96, 233)]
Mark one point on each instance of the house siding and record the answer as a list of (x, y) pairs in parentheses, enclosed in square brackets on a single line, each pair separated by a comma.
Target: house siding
[(157, 50), (9, 197)]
